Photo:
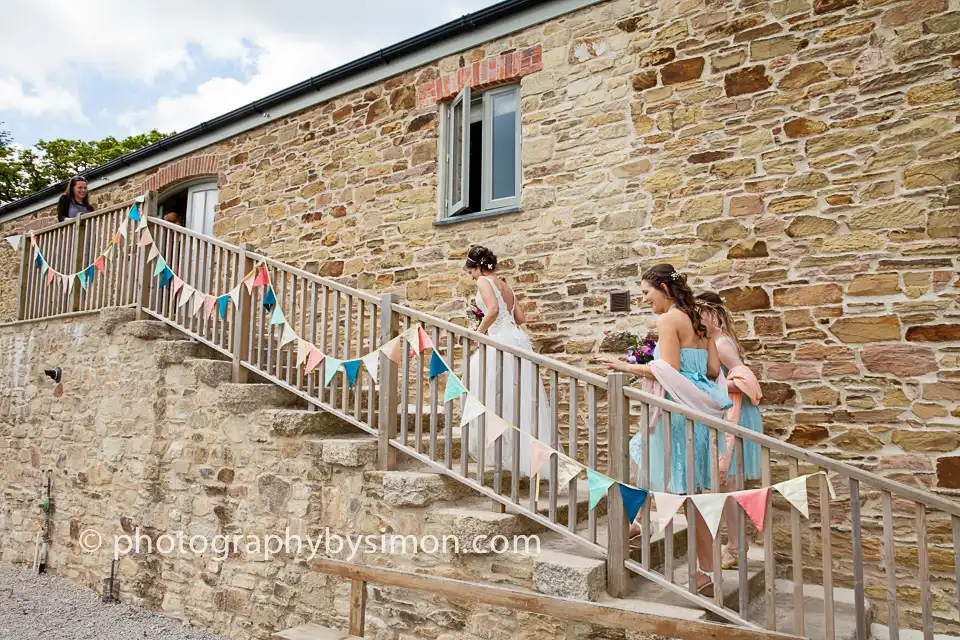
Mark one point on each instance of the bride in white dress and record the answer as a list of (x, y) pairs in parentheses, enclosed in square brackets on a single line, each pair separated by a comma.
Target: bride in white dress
[(502, 318)]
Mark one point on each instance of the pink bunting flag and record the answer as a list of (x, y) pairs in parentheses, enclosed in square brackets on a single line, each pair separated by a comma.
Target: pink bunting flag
[(425, 342), (314, 360), (199, 299), (50, 273), (211, 303), (667, 506), (539, 454), (177, 284), (710, 506), (394, 349), (263, 278), (101, 264), (754, 502), (145, 239), (67, 283), (496, 426)]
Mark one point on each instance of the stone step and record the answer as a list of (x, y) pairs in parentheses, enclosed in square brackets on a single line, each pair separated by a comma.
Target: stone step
[(814, 609), (346, 451), (249, 398), (475, 528), (168, 352), (313, 632), (212, 373), (292, 423), (151, 330), (569, 576), (416, 489)]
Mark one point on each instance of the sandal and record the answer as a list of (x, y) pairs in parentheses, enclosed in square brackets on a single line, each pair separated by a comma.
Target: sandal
[(705, 586), (730, 560)]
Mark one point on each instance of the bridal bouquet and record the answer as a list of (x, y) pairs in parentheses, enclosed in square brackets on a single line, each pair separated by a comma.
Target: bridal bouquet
[(640, 351), (473, 311)]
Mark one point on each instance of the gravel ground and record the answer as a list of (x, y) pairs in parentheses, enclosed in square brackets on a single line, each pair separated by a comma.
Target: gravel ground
[(42, 607)]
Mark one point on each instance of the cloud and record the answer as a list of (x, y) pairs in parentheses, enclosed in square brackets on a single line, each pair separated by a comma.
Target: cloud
[(42, 101)]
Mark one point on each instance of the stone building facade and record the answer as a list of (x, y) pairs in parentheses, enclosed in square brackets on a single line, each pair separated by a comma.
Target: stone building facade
[(802, 157)]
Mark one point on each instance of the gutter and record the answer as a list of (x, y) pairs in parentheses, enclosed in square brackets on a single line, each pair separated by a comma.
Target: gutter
[(381, 58)]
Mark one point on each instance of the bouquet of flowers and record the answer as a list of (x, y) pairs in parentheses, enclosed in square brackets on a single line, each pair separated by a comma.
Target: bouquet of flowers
[(640, 352), (474, 312)]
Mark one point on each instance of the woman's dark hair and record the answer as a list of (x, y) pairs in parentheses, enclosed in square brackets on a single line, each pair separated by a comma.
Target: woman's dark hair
[(481, 257), (664, 275), (69, 191), (713, 303)]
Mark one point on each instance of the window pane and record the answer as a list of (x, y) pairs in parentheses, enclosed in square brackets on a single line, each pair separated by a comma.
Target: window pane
[(505, 108), (457, 168), (211, 202), (195, 219)]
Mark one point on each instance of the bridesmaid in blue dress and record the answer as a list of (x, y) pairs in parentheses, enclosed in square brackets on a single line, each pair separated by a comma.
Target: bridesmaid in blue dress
[(721, 330), (684, 345)]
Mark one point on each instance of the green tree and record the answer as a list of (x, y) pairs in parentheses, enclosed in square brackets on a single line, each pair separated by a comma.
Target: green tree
[(24, 171)]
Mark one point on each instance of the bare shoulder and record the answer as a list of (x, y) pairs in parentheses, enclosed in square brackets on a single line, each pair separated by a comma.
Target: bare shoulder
[(672, 319)]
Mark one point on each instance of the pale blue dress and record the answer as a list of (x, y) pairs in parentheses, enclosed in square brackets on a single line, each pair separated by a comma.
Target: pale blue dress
[(749, 419), (693, 366)]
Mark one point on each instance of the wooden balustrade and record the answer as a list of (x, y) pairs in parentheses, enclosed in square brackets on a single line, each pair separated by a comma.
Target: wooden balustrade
[(589, 417)]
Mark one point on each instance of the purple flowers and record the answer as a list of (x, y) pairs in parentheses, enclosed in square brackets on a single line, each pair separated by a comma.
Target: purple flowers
[(473, 311), (640, 351)]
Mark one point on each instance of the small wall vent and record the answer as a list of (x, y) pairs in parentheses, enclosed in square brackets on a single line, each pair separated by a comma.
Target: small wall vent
[(620, 302)]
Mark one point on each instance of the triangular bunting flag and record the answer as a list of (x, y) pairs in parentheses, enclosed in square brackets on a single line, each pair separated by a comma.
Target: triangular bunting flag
[(82, 277), (166, 278), (598, 484), (454, 389), (186, 295), (372, 362), (269, 298), (288, 336), (45, 268), (754, 503), (235, 295), (142, 224), (667, 506), (330, 369), (263, 278), (472, 409), (425, 342), (248, 281), (199, 300), (161, 265), (101, 264), (222, 305), (177, 285), (134, 213), (39, 260), (303, 352), (116, 238), (826, 478), (633, 500), (394, 350), (50, 275), (14, 241), (145, 238), (313, 360), (795, 491), (412, 337), (67, 283), (91, 271), (539, 454), (277, 316), (122, 231), (710, 506), (437, 365), (567, 470), (352, 367), (108, 251), (210, 304), (154, 253), (495, 426)]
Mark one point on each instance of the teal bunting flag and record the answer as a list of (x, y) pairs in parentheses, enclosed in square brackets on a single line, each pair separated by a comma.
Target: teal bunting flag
[(454, 389), (277, 317), (437, 365), (134, 213), (166, 278), (82, 277), (352, 367), (269, 298), (222, 304), (331, 366), (161, 265), (91, 271), (598, 484), (633, 500)]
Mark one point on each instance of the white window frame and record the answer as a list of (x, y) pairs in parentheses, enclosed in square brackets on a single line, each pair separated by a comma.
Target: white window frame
[(206, 225), (480, 108)]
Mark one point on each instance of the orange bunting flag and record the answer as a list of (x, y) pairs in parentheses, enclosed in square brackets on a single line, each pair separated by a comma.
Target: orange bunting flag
[(263, 278), (100, 264), (316, 357), (117, 238)]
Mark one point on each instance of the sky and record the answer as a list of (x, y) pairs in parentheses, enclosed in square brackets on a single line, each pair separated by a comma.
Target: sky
[(90, 69)]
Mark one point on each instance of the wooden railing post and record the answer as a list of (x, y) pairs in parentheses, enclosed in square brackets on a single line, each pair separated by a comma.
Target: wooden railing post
[(77, 260), (388, 378), (146, 276), (358, 607), (25, 246), (619, 437), (241, 319)]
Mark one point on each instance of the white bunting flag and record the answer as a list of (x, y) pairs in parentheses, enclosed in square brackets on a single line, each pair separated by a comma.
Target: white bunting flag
[(303, 352), (186, 294), (372, 362), (567, 470), (142, 224), (199, 300), (123, 229), (495, 428), (235, 295), (795, 491), (667, 506), (288, 336), (710, 506), (471, 409), (14, 241), (154, 253)]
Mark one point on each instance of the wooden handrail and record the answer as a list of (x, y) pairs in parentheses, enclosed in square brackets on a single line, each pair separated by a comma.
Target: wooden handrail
[(563, 608)]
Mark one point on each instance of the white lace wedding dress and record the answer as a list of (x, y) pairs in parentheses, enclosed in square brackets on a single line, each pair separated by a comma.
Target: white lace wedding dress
[(505, 330)]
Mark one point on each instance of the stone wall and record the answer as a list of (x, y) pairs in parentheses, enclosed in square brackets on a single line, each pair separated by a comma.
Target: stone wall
[(800, 156), (149, 437)]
